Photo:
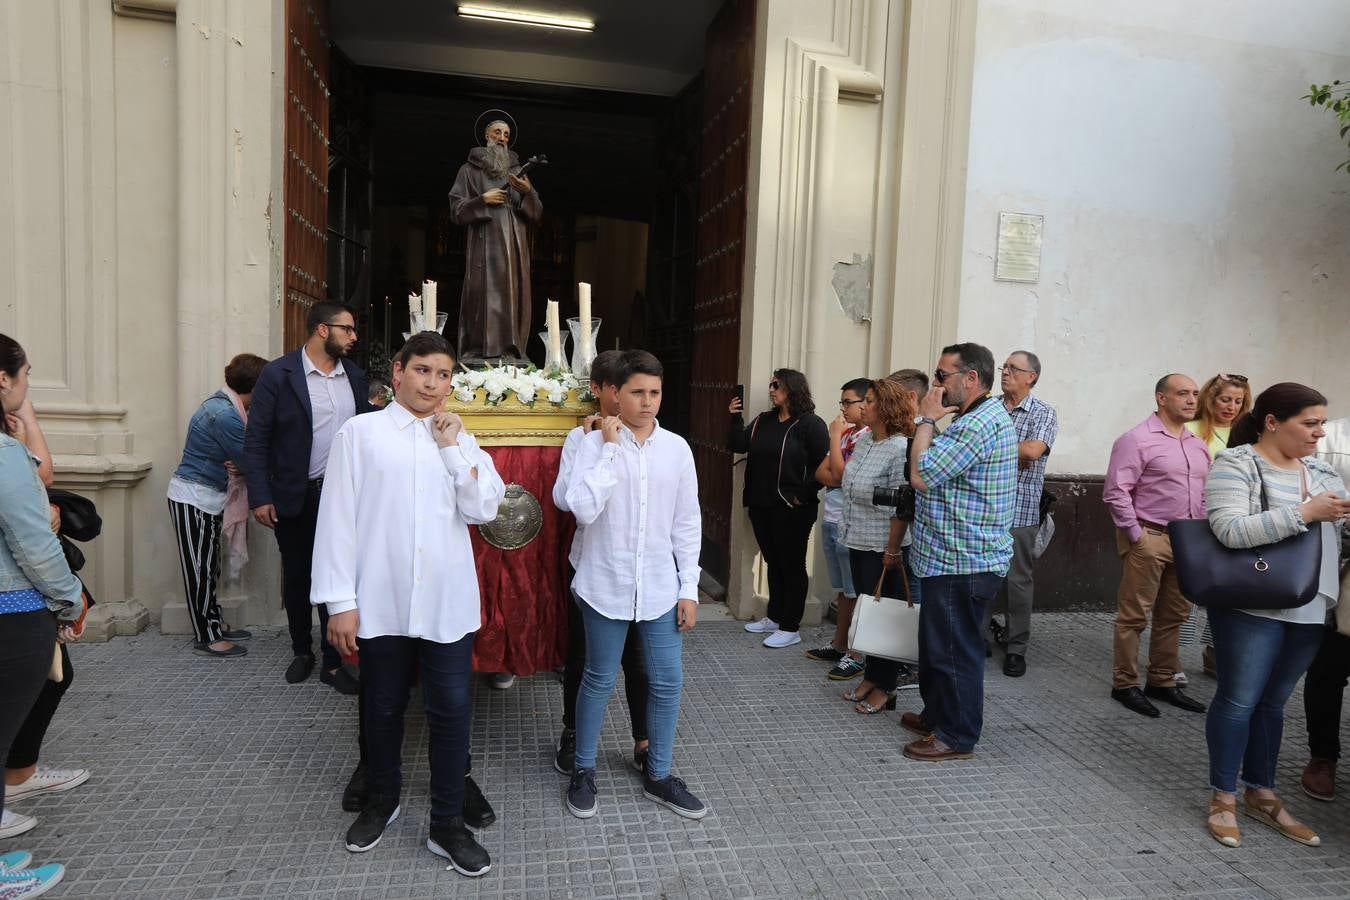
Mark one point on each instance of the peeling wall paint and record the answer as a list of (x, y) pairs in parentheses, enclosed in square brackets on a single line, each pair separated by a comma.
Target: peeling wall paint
[(852, 282)]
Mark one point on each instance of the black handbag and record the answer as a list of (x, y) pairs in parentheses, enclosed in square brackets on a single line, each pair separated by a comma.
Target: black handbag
[(1281, 575)]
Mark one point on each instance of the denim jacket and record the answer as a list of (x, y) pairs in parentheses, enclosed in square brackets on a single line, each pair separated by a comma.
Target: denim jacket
[(215, 434), (30, 555)]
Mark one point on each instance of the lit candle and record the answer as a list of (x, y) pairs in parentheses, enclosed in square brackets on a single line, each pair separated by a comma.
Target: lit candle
[(429, 305), (584, 350), (414, 311), (554, 337)]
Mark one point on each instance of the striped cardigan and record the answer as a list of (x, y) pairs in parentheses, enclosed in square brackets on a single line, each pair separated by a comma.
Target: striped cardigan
[(1233, 497)]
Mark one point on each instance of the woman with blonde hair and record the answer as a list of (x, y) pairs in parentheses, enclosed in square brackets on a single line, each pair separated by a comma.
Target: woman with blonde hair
[(874, 536), (1223, 399)]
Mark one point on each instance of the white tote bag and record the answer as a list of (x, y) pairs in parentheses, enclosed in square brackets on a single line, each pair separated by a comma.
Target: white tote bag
[(884, 626)]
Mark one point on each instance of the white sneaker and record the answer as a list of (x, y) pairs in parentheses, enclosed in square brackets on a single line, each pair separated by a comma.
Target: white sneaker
[(1180, 678), (763, 626), (12, 823), (503, 681), (782, 639), (46, 781)]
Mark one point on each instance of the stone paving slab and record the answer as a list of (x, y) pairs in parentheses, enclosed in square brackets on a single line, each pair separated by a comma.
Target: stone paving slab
[(214, 778)]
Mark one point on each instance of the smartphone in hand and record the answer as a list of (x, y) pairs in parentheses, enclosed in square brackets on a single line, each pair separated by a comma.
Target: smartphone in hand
[(740, 393)]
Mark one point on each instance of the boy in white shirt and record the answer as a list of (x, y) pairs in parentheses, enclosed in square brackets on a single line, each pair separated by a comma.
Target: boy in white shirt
[(635, 495), (393, 563), (604, 370)]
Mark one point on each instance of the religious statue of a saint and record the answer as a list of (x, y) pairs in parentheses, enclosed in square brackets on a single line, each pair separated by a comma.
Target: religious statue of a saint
[(496, 206)]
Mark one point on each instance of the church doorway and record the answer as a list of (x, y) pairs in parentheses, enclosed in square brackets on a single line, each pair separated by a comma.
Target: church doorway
[(645, 123)]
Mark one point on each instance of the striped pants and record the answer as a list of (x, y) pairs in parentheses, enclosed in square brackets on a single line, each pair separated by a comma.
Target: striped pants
[(199, 549)]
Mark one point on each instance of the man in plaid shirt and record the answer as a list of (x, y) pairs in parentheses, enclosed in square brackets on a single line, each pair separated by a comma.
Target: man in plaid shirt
[(965, 481), (1037, 426)]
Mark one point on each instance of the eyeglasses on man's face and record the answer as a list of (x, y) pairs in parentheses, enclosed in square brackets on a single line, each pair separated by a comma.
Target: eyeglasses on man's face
[(940, 376), (845, 404), (350, 329)]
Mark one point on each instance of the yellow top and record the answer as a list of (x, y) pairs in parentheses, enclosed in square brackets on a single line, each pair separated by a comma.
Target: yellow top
[(1216, 443)]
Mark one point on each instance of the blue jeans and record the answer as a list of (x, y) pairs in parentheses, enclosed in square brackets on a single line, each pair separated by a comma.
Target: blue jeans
[(951, 654), (386, 678), (662, 645), (1259, 661), (836, 560)]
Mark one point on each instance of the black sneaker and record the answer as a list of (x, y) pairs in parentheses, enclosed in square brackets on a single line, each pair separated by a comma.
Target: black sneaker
[(369, 827), (478, 812), (671, 791), (457, 844), (581, 793), (566, 758), (640, 760), (908, 678), (341, 680), (300, 668), (354, 795), (828, 653), (846, 669)]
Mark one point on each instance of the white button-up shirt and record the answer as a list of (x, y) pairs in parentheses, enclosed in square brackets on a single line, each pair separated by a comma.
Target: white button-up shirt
[(393, 540), (331, 403), (641, 532), (571, 444)]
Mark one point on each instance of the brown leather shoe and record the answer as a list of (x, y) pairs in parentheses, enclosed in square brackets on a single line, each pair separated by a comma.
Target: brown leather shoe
[(915, 723), (930, 749), (1319, 779)]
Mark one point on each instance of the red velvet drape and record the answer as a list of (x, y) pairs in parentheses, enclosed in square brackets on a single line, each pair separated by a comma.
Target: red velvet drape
[(525, 592)]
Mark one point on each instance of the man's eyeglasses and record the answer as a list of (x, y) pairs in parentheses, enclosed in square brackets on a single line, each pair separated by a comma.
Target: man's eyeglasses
[(845, 404), (1240, 379), (940, 376), (350, 329), (1009, 367)]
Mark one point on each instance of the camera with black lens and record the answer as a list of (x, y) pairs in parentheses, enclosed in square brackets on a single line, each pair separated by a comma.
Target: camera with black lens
[(900, 499)]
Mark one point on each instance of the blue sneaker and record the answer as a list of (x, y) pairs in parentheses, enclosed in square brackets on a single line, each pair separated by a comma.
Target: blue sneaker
[(672, 792), (26, 883), (581, 793), (12, 862)]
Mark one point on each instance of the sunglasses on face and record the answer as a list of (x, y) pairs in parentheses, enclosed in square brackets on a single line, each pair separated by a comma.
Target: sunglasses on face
[(940, 376), (1240, 379), (773, 385)]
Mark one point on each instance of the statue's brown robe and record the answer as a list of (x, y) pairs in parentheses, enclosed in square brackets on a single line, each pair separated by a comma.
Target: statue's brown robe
[(494, 311)]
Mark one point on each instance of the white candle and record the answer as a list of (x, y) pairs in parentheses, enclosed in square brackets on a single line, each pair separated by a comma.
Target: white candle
[(429, 305), (414, 310), (584, 349), (554, 337)]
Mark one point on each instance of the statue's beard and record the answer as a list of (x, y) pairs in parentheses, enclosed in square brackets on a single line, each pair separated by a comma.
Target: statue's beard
[(498, 161)]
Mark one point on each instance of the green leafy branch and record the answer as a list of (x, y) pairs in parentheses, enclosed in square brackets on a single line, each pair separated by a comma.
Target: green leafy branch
[(1335, 97)]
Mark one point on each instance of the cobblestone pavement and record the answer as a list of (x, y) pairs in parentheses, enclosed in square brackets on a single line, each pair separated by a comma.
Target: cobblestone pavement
[(216, 779)]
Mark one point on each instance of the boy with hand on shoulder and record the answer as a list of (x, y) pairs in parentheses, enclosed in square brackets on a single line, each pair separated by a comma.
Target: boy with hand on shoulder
[(635, 495), (393, 563), (604, 371)]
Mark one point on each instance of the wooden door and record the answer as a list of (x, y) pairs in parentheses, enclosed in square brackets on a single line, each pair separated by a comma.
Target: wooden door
[(728, 75), (305, 189)]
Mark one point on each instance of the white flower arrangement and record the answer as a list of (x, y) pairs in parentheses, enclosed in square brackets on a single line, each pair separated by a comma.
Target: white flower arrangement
[(526, 383)]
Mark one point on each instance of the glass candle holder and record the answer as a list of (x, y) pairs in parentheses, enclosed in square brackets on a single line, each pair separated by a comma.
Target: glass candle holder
[(583, 352)]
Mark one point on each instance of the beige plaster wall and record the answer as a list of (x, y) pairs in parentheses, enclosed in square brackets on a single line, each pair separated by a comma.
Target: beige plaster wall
[(1193, 220)]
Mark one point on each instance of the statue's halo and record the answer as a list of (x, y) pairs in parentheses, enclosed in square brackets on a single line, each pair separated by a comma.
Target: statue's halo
[(489, 116)]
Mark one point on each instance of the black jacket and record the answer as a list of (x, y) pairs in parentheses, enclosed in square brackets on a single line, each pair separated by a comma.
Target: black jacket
[(280, 432), (781, 467)]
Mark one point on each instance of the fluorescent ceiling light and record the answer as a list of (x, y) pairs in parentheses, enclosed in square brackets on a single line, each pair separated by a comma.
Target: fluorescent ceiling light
[(516, 17)]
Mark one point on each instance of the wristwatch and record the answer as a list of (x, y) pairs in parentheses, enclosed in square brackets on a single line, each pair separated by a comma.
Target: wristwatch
[(924, 420)]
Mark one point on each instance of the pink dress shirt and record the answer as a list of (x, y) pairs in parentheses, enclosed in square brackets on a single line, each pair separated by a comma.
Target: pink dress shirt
[(1155, 477)]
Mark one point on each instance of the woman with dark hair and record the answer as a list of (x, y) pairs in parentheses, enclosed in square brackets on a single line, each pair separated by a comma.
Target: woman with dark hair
[(785, 445), (207, 496), (1223, 398), (40, 598), (877, 540), (1264, 489)]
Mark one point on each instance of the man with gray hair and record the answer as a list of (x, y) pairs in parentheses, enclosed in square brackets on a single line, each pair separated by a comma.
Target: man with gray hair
[(496, 206), (1037, 426)]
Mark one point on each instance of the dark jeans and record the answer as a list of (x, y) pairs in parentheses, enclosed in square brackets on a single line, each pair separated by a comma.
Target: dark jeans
[(295, 540), (27, 641), (1322, 691), (634, 672), (386, 675), (1259, 661), (867, 566), (28, 742), (951, 654), (782, 533)]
